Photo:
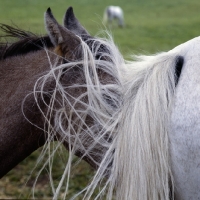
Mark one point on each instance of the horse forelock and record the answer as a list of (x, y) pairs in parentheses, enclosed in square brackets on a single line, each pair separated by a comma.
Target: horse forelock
[(24, 41)]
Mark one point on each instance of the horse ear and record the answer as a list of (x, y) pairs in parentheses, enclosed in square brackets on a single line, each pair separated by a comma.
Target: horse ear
[(72, 23), (65, 41), (53, 28)]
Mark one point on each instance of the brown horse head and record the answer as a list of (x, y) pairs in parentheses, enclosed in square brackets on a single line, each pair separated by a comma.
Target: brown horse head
[(63, 86)]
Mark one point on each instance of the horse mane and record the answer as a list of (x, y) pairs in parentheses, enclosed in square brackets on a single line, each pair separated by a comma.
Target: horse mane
[(24, 41)]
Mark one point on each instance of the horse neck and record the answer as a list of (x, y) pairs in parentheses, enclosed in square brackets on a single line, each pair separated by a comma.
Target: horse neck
[(19, 138)]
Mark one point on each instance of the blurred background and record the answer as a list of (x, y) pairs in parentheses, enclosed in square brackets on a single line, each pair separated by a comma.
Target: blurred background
[(151, 26)]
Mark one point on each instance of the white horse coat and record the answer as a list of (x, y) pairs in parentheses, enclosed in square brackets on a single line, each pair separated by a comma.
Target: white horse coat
[(185, 125)]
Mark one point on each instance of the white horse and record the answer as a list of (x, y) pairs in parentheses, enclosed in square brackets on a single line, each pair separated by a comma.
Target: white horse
[(112, 13), (184, 133)]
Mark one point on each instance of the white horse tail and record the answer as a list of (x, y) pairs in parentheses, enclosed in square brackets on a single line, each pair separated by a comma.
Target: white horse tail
[(141, 161), (139, 154)]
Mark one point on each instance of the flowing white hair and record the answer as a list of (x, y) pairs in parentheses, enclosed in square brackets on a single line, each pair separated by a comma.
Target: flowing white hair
[(127, 136)]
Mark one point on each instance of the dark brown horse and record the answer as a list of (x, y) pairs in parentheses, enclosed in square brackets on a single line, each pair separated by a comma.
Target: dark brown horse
[(36, 74)]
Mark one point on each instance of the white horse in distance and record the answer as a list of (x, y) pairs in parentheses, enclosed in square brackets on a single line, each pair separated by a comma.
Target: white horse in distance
[(113, 13)]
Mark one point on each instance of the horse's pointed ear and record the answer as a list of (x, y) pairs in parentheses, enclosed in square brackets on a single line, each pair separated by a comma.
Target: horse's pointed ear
[(65, 41), (52, 28), (72, 23)]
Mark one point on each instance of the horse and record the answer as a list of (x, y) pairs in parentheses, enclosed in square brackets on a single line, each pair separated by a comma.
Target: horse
[(29, 64), (135, 122), (113, 13)]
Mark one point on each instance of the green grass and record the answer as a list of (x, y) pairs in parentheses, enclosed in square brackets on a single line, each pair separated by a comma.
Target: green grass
[(18, 183), (151, 26)]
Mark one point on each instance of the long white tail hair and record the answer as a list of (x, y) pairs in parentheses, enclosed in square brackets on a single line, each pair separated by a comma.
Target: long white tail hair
[(130, 128)]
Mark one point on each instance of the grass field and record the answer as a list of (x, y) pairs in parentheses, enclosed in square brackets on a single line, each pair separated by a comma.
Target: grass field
[(151, 26)]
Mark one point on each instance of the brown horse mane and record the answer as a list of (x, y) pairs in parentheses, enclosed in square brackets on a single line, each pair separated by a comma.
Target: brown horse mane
[(24, 41)]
